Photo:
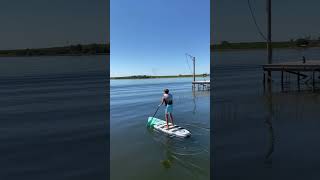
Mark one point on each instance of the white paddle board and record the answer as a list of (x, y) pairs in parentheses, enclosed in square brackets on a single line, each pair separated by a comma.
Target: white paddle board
[(161, 125)]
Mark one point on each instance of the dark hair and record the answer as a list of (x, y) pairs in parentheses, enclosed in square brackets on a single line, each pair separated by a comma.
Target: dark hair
[(166, 91)]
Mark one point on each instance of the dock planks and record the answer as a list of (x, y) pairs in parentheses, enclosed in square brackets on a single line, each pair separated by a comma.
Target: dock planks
[(298, 68), (202, 85)]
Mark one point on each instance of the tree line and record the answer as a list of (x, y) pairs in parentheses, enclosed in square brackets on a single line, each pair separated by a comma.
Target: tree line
[(79, 49)]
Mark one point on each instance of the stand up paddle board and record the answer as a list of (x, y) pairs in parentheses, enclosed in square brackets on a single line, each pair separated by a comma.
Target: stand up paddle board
[(161, 125)]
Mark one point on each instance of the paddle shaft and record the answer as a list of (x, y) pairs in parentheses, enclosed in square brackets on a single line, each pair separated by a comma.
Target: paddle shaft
[(156, 112)]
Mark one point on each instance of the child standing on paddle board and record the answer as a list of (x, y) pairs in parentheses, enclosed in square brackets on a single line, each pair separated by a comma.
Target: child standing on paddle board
[(167, 99)]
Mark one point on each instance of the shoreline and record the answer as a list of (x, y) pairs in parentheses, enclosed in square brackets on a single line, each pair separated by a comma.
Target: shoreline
[(260, 49), (156, 77), (300, 43), (56, 55)]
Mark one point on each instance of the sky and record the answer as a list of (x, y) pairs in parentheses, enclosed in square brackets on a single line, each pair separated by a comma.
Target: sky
[(291, 19), (151, 37), (47, 23)]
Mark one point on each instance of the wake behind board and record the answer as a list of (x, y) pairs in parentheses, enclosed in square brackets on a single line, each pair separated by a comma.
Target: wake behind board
[(161, 125)]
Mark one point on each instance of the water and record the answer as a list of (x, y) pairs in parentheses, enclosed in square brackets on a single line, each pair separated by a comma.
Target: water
[(53, 117), (139, 153), (258, 135)]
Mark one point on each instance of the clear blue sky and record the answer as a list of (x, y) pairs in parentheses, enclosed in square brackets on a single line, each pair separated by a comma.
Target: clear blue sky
[(151, 37), (291, 19), (47, 23)]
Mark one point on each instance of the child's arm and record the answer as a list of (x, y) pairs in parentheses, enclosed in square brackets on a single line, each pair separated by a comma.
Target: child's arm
[(162, 101)]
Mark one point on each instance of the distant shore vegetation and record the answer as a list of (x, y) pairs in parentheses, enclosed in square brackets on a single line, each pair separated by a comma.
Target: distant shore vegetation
[(152, 77), (72, 50), (306, 42)]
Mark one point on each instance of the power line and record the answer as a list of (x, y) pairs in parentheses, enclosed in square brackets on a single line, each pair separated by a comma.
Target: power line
[(188, 62), (255, 21)]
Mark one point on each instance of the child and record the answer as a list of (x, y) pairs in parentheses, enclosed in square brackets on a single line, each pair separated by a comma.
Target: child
[(167, 99)]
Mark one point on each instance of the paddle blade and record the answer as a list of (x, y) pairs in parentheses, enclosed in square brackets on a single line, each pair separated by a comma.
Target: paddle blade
[(151, 121)]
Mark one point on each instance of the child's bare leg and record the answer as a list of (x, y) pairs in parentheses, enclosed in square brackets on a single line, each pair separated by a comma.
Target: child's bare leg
[(167, 120), (171, 117)]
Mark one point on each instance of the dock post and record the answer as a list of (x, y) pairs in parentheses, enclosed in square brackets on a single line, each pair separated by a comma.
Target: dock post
[(269, 77), (269, 36), (269, 32), (194, 68), (313, 88), (269, 87), (194, 71), (282, 80)]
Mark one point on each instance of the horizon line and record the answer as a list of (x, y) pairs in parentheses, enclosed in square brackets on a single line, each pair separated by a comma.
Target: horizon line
[(160, 75)]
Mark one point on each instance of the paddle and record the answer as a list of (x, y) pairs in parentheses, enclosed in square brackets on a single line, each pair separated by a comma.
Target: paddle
[(155, 112)]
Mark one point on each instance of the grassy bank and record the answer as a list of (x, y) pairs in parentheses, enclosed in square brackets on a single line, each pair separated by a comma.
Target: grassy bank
[(153, 77), (73, 50)]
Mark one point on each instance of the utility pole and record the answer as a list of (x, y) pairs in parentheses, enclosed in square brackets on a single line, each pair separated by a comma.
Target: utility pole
[(269, 46), (194, 69)]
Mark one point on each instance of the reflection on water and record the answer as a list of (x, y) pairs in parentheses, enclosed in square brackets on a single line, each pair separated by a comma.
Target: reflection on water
[(268, 123), (177, 151), (259, 134), (194, 101), (53, 113)]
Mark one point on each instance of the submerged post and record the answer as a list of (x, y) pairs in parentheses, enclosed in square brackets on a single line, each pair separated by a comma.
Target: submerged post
[(269, 45)]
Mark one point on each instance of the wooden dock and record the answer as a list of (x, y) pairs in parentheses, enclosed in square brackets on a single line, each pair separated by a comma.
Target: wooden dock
[(302, 70), (202, 85)]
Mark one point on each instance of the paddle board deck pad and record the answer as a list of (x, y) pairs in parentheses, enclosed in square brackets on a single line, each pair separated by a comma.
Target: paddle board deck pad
[(161, 125)]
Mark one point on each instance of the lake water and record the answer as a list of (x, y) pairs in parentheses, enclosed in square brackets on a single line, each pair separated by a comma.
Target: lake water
[(259, 135), (140, 153), (53, 117), (53, 111)]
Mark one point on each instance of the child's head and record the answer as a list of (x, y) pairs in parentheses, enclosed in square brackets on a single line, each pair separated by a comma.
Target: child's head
[(166, 91)]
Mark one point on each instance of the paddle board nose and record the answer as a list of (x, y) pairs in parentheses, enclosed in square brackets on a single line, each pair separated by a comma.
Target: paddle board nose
[(183, 133)]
